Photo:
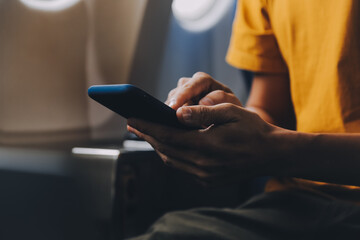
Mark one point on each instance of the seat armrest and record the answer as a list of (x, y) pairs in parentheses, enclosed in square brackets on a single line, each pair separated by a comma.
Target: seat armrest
[(145, 189)]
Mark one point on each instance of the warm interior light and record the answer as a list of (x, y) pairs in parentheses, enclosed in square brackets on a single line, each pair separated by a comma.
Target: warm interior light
[(192, 9), (49, 5), (200, 15)]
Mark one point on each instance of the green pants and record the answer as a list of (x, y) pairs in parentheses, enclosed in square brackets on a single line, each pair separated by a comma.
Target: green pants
[(278, 215)]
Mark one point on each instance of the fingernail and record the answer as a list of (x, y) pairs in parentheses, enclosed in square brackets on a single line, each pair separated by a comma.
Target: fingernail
[(186, 114), (207, 101), (172, 103)]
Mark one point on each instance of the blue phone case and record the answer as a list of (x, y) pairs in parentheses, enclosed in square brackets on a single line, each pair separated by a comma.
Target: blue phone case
[(132, 102)]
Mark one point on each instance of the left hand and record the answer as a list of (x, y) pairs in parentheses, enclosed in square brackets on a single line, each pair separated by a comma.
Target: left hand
[(200, 89), (236, 145)]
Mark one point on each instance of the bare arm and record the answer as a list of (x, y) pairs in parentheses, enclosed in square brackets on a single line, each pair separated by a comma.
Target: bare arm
[(324, 157), (270, 98)]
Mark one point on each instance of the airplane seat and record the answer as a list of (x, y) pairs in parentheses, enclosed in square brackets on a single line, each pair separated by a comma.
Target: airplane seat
[(145, 189)]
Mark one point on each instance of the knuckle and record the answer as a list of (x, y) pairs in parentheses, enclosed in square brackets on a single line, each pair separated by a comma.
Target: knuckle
[(172, 92), (200, 75), (183, 81), (200, 116), (208, 79), (229, 106), (220, 94), (231, 109), (187, 86), (203, 113)]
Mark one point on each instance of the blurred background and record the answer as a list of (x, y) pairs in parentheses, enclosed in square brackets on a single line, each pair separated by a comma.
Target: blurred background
[(64, 170)]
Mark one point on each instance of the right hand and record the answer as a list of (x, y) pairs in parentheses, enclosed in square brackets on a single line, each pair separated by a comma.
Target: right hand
[(238, 144), (200, 89)]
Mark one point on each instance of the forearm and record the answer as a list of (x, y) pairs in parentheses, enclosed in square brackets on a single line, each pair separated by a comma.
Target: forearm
[(270, 99), (322, 157)]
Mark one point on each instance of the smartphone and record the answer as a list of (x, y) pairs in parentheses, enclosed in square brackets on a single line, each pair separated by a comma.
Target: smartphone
[(132, 102)]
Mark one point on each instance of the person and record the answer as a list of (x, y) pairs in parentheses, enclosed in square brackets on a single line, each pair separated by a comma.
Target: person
[(305, 56)]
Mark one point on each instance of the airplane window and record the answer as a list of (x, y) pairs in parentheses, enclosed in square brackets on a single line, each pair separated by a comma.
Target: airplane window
[(49, 5), (200, 15), (192, 9)]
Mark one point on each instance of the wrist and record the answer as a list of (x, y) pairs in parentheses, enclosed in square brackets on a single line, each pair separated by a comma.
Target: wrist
[(286, 148)]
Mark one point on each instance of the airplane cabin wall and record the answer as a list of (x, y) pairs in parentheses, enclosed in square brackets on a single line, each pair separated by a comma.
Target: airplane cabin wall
[(49, 58)]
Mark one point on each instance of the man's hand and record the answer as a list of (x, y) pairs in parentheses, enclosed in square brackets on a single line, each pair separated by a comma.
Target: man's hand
[(200, 89), (236, 145)]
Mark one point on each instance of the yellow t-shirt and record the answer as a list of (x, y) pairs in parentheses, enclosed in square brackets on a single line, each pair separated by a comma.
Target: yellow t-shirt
[(318, 43)]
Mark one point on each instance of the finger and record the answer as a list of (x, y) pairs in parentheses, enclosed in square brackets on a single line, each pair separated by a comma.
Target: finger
[(201, 161), (188, 168), (135, 131), (182, 81), (170, 96), (199, 158), (169, 135), (219, 96), (172, 93), (200, 84), (197, 116), (206, 170), (171, 103)]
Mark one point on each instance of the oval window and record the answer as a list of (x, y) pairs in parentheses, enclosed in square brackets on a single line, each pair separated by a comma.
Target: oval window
[(200, 15), (49, 5)]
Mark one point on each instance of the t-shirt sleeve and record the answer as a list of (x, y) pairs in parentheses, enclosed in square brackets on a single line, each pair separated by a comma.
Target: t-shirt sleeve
[(253, 45)]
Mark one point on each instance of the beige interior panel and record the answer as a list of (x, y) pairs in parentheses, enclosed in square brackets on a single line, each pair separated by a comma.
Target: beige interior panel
[(48, 59), (113, 34)]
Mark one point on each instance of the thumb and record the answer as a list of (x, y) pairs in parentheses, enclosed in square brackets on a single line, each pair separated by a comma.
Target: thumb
[(200, 116)]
